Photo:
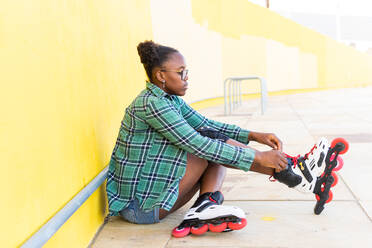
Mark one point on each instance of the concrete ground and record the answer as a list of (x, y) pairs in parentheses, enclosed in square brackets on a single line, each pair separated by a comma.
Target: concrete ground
[(278, 216)]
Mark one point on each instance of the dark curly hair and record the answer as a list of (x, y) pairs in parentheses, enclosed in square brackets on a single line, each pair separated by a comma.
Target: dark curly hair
[(153, 55)]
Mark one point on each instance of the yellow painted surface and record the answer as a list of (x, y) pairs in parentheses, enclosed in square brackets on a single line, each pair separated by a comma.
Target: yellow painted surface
[(345, 66), (294, 57), (246, 56), (207, 103), (201, 48), (268, 218), (220, 39), (68, 69)]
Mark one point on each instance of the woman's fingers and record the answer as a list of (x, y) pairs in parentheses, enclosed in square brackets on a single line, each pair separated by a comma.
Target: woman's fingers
[(269, 139), (280, 144), (282, 160), (276, 142), (273, 144)]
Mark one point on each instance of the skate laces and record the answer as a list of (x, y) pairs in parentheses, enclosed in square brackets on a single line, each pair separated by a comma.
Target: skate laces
[(311, 152), (293, 158), (306, 156)]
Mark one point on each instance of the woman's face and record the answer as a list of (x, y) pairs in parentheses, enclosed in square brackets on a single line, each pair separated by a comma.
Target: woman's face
[(174, 73)]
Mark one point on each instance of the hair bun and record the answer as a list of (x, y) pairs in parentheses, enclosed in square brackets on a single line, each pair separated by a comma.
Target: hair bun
[(148, 52), (153, 55)]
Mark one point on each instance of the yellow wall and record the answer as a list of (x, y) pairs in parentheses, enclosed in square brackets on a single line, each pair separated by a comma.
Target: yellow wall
[(221, 38), (292, 56), (68, 69)]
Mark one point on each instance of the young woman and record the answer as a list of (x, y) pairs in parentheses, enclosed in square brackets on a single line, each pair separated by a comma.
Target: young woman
[(166, 151)]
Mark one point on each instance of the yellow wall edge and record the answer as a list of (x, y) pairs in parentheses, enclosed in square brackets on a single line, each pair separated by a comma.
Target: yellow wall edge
[(212, 102)]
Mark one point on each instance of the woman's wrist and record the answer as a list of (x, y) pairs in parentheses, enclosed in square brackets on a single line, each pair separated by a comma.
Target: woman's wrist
[(257, 158), (252, 136)]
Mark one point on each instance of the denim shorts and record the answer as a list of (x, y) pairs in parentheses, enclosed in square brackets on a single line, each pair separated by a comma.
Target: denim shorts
[(134, 214)]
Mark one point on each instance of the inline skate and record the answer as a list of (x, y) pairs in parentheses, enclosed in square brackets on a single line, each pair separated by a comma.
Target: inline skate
[(315, 171), (207, 213)]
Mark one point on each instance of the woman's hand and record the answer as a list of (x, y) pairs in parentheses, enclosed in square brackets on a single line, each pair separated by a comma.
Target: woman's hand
[(269, 139), (273, 159)]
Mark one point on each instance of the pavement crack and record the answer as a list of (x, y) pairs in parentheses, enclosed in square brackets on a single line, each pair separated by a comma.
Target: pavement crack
[(356, 199)]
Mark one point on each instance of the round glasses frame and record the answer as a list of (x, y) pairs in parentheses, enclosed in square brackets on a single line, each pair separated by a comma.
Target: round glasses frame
[(183, 73)]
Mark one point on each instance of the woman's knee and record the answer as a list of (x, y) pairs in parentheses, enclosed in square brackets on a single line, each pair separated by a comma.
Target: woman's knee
[(198, 166), (193, 160), (195, 168)]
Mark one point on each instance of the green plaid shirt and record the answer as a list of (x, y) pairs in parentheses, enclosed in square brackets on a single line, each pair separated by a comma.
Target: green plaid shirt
[(150, 155)]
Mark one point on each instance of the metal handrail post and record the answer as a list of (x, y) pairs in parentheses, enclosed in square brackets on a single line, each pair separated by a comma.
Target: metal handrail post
[(236, 93), (240, 93), (263, 95), (225, 95), (233, 93), (231, 96)]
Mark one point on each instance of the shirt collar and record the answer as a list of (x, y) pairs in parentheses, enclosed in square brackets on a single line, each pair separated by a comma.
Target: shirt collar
[(155, 89)]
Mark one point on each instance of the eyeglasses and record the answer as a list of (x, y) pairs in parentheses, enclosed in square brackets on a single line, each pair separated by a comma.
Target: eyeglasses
[(182, 73)]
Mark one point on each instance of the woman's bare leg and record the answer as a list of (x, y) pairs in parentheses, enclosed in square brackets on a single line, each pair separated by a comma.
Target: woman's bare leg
[(213, 178), (205, 176), (200, 175), (189, 184)]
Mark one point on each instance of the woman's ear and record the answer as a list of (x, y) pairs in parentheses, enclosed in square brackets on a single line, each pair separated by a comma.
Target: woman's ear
[(159, 75)]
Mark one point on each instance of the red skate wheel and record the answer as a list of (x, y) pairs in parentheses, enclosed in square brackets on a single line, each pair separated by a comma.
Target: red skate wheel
[(340, 163), (330, 196), (336, 179), (343, 141), (180, 233), (199, 230), (238, 225), (217, 228)]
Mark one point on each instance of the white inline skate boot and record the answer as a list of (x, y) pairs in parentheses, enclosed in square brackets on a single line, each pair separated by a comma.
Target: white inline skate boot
[(314, 172), (207, 213)]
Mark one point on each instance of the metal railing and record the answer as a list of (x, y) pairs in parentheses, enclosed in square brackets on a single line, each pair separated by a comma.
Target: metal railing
[(52, 226), (233, 93)]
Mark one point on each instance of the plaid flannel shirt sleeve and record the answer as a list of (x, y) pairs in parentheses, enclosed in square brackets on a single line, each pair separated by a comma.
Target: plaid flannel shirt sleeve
[(196, 120), (166, 120)]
